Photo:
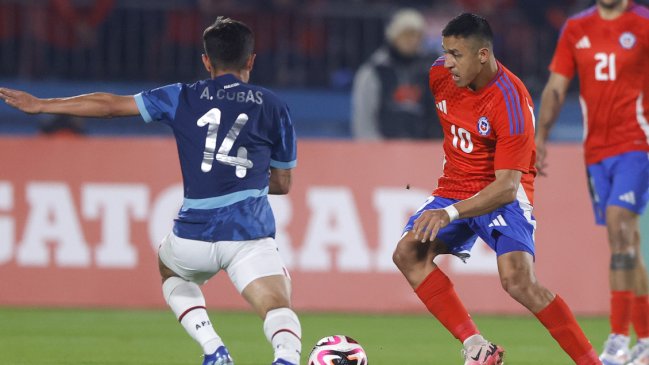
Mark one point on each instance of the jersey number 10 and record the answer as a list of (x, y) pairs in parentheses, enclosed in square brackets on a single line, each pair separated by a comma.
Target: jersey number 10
[(464, 137), (212, 119), (605, 68)]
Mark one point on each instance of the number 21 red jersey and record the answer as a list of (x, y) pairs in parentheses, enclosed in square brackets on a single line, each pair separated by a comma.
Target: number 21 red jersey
[(612, 59), (484, 131)]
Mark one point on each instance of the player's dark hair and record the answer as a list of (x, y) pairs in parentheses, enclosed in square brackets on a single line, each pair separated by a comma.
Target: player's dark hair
[(468, 25), (228, 43)]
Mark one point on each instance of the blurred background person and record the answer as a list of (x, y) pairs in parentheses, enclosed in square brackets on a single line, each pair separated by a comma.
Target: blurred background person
[(390, 97), (66, 35)]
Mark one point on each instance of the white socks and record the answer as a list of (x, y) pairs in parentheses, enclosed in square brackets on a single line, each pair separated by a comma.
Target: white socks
[(283, 331), (281, 326), (188, 304), (474, 340)]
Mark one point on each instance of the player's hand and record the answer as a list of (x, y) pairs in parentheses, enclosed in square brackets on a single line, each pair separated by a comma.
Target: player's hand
[(541, 153), (21, 100), (429, 223)]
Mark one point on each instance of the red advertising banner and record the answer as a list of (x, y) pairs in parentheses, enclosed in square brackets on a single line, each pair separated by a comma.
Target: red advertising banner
[(81, 219)]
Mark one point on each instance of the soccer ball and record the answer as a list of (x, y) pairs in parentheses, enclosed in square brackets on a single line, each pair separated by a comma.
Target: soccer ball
[(337, 350)]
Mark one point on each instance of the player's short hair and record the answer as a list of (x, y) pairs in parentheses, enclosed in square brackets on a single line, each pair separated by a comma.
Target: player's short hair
[(468, 25), (228, 43)]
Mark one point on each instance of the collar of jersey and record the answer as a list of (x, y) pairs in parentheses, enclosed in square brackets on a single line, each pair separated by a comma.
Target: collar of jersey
[(227, 79)]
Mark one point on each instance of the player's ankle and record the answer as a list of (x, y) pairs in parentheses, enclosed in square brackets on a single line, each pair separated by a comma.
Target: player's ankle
[(476, 339), (210, 346)]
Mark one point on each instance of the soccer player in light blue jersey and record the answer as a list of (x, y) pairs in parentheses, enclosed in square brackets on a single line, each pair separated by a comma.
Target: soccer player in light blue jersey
[(236, 145)]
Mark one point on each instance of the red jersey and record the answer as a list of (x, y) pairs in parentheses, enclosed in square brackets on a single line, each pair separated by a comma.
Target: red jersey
[(484, 131), (612, 59)]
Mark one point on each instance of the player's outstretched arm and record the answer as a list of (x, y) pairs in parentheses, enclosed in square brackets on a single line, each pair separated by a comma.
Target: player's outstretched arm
[(500, 192), (102, 105), (552, 98), (280, 181)]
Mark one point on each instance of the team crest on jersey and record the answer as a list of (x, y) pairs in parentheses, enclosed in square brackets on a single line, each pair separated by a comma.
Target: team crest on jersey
[(483, 126), (627, 40)]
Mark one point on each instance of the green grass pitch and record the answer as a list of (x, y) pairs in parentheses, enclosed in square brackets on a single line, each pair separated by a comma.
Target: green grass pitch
[(141, 337)]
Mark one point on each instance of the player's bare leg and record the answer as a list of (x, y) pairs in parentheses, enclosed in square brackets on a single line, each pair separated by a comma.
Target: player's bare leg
[(627, 278), (519, 281), (415, 261), (517, 277), (188, 304), (622, 228), (270, 298)]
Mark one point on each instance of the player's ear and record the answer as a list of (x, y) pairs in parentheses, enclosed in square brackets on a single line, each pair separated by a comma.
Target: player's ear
[(207, 63), (251, 61), (483, 54)]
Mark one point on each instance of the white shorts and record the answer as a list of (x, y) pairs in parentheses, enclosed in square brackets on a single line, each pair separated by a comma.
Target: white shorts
[(244, 261)]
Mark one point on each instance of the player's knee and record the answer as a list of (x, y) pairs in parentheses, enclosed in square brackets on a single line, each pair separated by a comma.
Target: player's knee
[(621, 240), (398, 258), (403, 255), (516, 285), (165, 272)]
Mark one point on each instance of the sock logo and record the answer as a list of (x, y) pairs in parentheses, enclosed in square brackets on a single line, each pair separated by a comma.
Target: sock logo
[(203, 324)]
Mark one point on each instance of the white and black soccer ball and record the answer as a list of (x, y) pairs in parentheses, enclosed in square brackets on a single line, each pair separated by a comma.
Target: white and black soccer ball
[(337, 350)]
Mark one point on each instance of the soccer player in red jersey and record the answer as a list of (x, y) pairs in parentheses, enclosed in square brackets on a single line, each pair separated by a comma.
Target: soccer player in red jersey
[(486, 191), (608, 46)]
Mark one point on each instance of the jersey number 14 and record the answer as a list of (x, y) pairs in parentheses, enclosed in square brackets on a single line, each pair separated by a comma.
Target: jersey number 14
[(212, 119)]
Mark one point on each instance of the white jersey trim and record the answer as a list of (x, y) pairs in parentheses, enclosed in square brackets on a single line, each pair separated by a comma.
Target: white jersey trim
[(640, 113), (526, 206), (584, 113)]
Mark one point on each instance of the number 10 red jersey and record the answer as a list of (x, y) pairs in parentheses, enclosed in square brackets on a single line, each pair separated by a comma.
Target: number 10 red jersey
[(484, 131)]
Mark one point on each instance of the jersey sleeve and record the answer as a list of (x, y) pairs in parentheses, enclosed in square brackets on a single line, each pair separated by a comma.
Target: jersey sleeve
[(284, 152), (435, 74), (563, 61), (515, 134), (159, 104)]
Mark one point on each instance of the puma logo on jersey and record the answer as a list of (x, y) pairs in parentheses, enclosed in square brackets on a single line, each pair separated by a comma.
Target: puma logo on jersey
[(498, 222), (628, 197), (442, 106), (583, 43), (231, 85)]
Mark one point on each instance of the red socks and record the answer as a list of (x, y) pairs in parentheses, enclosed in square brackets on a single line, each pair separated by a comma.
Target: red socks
[(437, 293), (561, 324), (621, 305), (640, 316)]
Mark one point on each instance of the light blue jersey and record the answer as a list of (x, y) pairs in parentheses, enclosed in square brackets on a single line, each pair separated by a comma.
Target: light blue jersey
[(228, 135)]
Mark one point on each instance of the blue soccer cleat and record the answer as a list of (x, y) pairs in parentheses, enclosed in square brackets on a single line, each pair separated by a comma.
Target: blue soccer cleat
[(220, 357), (281, 361)]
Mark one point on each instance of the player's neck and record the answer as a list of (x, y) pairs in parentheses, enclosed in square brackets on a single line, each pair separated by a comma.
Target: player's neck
[(239, 74), (612, 13), (485, 76)]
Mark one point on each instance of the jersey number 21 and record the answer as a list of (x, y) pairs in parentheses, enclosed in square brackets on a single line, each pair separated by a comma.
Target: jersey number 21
[(605, 68)]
